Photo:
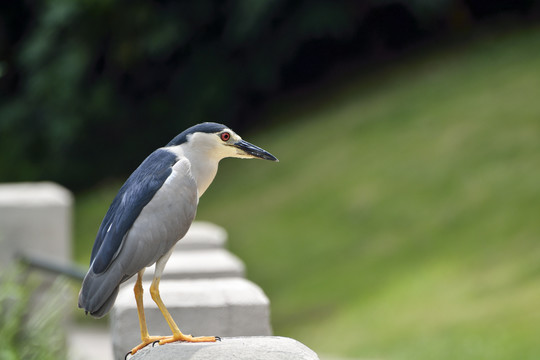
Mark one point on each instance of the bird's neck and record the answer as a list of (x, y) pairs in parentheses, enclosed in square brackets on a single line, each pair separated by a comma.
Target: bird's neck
[(204, 172), (203, 166)]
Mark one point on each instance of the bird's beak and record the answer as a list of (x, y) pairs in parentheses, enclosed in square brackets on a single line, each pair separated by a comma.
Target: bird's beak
[(251, 150)]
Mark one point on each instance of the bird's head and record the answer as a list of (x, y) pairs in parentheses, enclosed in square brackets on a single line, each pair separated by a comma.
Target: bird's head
[(218, 141)]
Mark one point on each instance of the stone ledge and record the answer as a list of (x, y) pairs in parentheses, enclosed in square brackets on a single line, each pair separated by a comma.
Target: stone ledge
[(238, 348)]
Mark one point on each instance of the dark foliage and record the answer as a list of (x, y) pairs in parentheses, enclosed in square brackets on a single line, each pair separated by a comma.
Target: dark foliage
[(89, 88)]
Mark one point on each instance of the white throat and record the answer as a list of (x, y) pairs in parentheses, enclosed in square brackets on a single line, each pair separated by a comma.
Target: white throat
[(203, 167)]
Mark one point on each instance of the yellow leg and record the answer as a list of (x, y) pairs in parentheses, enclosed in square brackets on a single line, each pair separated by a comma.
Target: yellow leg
[(177, 334), (145, 338)]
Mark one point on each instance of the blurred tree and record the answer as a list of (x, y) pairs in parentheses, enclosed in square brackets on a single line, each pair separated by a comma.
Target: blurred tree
[(90, 87)]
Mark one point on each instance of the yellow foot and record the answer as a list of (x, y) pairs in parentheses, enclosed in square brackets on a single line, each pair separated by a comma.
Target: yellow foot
[(146, 341), (188, 338)]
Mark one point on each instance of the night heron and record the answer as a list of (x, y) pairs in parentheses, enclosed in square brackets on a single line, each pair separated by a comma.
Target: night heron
[(151, 212)]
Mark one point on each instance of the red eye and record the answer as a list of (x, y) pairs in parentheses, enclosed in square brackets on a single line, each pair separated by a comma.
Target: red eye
[(225, 136)]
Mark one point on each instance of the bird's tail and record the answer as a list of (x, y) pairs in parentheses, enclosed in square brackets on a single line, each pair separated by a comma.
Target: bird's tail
[(98, 292)]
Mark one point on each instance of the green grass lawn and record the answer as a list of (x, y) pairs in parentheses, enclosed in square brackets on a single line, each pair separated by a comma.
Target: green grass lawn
[(403, 219)]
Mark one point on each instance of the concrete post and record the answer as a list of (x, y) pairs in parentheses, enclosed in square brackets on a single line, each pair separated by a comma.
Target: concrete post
[(35, 219), (221, 307), (197, 264), (203, 235)]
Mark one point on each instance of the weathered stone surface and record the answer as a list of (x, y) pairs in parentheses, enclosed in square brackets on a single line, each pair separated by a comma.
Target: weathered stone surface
[(222, 307), (239, 348), (35, 219), (203, 235)]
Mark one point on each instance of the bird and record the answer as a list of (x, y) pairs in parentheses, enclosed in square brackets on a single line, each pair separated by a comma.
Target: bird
[(151, 212)]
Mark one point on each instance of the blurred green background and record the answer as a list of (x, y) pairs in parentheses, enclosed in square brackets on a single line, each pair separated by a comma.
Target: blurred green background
[(402, 219)]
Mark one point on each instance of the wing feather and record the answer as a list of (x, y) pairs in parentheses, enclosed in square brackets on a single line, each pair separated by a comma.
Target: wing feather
[(132, 197)]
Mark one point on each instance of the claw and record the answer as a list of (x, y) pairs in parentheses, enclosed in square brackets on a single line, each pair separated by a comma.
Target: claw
[(128, 353), (155, 342), (217, 338)]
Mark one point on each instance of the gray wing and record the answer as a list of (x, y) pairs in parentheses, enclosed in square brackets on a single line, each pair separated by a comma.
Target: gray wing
[(132, 197), (160, 224)]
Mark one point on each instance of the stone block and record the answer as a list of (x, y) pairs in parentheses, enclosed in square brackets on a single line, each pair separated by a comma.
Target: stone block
[(198, 264), (237, 348), (203, 235), (35, 219), (222, 307)]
